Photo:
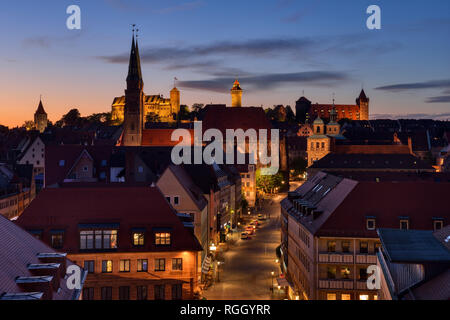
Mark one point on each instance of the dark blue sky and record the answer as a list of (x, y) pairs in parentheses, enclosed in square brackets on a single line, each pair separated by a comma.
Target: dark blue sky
[(277, 49)]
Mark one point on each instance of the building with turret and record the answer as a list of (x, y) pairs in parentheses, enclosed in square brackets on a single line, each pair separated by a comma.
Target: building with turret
[(236, 94), (320, 142), (40, 118), (154, 105), (306, 111)]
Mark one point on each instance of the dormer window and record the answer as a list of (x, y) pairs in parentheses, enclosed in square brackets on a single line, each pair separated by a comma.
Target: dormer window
[(62, 163), (404, 223), (438, 224), (370, 223), (162, 238)]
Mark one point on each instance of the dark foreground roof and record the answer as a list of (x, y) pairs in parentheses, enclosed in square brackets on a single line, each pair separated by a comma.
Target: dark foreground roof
[(413, 246), (18, 251)]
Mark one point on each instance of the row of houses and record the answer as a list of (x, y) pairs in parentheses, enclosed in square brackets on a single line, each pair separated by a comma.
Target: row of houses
[(330, 230)]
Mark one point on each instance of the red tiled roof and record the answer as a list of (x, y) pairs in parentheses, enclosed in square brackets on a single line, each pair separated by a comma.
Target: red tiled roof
[(222, 118), (130, 207), (387, 201), (18, 249), (161, 137)]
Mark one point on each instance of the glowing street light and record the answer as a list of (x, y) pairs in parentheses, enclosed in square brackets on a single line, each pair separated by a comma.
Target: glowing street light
[(213, 248)]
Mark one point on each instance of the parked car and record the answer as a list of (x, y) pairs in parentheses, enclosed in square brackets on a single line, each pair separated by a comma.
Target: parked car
[(250, 230), (244, 235), (261, 217)]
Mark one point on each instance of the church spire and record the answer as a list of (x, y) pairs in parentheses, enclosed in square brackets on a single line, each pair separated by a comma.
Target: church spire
[(134, 66)]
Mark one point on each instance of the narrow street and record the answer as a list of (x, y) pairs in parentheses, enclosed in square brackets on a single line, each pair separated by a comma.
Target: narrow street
[(246, 273)]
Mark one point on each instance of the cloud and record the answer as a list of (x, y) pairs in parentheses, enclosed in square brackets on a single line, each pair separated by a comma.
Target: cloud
[(434, 84), (49, 41), (143, 6), (256, 47), (438, 99), (181, 7), (264, 81)]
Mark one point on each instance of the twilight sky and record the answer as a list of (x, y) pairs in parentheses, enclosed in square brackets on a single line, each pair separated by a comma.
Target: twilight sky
[(277, 48)]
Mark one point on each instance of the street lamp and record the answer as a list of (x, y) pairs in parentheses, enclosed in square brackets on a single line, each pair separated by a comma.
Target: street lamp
[(218, 268), (212, 248), (271, 289)]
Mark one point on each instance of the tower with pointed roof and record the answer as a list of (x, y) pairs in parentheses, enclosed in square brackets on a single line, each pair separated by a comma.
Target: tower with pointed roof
[(40, 118), (363, 102), (134, 99), (236, 94)]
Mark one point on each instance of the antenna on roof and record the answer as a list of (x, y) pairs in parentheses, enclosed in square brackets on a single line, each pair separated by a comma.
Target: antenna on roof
[(133, 28), (334, 96)]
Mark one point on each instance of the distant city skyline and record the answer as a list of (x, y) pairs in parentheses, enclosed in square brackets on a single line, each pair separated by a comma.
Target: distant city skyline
[(278, 49)]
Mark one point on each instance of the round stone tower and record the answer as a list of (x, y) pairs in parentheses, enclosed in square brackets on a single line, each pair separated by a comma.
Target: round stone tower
[(175, 100), (236, 95)]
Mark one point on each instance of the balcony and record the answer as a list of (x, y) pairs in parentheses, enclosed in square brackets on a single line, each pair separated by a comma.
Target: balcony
[(336, 258), (336, 284), (366, 258)]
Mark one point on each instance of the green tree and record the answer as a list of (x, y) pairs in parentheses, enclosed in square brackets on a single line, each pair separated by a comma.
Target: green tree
[(268, 183), (152, 117), (184, 113)]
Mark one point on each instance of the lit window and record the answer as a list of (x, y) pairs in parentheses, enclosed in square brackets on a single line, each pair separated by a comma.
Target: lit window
[(177, 264), (345, 296), (331, 272), (375, 297), (107, 266), (124, 266), (331, 296), (104, 239), (162, 238), (345, 272), (363, 297), (61, 163), (138, 238), (331, 246), (160, 264)]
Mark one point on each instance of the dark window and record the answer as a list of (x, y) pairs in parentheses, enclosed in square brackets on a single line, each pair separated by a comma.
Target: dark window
[(162, 238), (160, 293), (168, 199), (362, 274), (177, 291), (345, 246), (177, 264), (331, 246), (331, 272), (124, 266), (141, 292), (124, 293), (138, 238), (404, 224), (106, 293), (370, 224), (57, 240), (88, 293), (104, 239), (142, 265), (176, 200), (438, 225), (160, 264), (89, 265), (107, 266), (363, 247)]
